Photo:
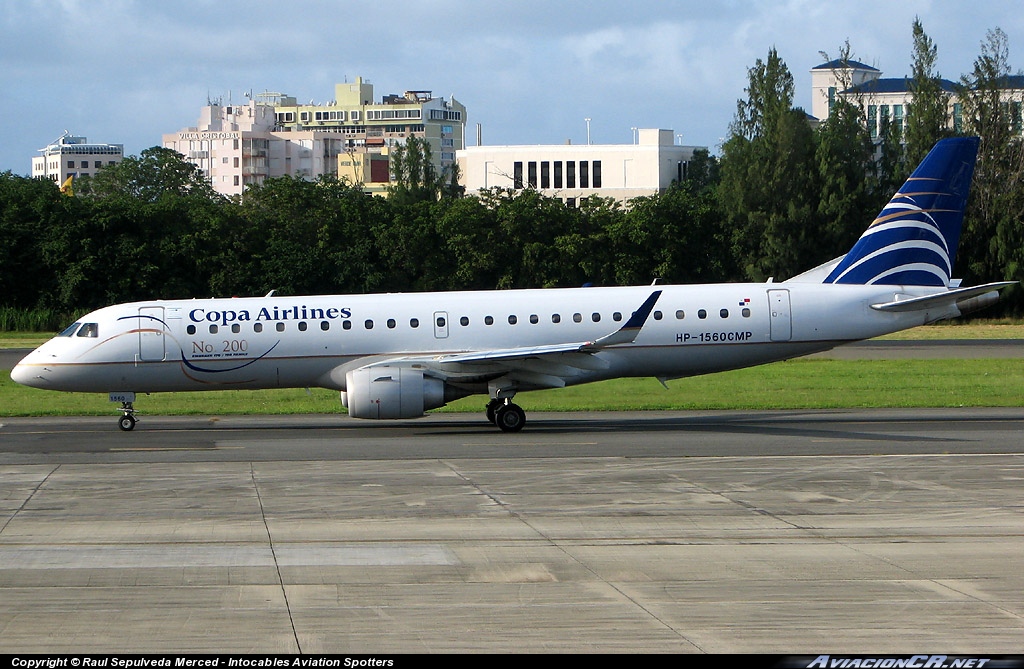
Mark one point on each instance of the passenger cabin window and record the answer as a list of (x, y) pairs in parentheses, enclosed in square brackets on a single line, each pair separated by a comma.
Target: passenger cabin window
[(512, 320), (658, 315), (213, 329), (702, 313), (414, 322), (464, 321), (191, 329), (236, 328), (555, 318), (724, 313), (617, 316), (392, 323), (745, 313), (679, 314), (302, 326), (488, 320), (577, 318), (325, 325), (534, 319), (369, 324), (280, 327), (346, 325), (89, 330), (257, 327), (596, 317)]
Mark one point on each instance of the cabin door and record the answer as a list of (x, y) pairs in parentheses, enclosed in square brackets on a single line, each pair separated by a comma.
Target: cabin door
[(151, 334), (781, 319)]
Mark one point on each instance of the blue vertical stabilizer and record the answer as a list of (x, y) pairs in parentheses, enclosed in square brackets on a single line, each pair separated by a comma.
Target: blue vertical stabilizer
[(913, 240)]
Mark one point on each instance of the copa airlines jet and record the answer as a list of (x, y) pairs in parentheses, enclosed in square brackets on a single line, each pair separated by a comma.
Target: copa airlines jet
[(399, 355)]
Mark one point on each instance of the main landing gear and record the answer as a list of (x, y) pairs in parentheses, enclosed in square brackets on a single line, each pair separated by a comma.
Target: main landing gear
[(127, 420), (506, 415)]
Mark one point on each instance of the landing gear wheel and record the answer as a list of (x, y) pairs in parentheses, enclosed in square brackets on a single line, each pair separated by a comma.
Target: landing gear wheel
[(510, 418), (127, 420), (492, 408)]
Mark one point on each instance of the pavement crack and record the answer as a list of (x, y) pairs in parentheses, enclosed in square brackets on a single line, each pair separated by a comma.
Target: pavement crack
[(28, 499), (273, 552)]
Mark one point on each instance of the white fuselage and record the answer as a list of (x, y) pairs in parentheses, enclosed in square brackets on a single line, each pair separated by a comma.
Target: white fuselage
[(313, 341)]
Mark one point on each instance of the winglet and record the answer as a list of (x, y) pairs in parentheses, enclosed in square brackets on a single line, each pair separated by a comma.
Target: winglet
[(627, 334)]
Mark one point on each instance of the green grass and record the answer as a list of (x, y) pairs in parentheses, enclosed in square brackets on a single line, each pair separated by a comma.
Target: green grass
[(808, 383)]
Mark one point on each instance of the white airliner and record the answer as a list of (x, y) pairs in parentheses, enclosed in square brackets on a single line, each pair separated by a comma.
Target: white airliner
[(399, 355)]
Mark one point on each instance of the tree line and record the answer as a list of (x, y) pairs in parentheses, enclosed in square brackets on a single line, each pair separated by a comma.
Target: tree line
[(783, 197)]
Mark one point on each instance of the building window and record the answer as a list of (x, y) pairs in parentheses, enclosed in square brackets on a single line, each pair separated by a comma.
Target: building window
[(597, 173), (570, 174), (531, 174), (517, 175), (584, 174), (558, 174), (545, 174)]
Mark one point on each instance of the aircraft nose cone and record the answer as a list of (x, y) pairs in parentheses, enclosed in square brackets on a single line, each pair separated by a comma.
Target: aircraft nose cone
[(20, 374), (28, 374)]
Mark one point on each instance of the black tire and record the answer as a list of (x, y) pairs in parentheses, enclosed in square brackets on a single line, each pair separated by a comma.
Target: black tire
[(126, 423), (510, 418), (492, 408)]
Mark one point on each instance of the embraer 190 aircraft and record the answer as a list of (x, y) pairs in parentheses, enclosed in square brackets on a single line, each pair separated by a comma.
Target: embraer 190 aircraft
[(399, 355)]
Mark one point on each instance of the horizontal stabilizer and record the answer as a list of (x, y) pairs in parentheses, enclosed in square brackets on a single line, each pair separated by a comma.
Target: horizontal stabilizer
[(947, 298)]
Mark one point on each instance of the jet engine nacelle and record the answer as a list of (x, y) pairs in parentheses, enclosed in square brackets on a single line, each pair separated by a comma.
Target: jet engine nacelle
[(390, 392)]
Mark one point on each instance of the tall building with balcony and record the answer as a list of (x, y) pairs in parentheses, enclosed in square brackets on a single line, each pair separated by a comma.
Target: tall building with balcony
[(74, 156), (349, 137)]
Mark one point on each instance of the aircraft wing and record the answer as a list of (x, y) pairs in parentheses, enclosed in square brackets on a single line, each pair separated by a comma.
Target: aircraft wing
[(541, 366)]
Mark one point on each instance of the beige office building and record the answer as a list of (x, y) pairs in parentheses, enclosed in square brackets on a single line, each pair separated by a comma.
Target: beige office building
[(571, 172)]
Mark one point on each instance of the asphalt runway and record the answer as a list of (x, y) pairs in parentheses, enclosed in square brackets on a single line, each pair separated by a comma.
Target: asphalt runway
[(788, 532)]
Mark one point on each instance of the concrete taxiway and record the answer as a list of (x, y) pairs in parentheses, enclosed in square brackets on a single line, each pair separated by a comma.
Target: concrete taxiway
[(663, 532)]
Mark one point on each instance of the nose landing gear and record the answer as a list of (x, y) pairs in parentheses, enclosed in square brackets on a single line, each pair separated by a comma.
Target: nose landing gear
[(127, 420)]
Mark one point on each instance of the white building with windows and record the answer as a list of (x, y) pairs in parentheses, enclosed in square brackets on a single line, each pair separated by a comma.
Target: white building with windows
[(572, 172), (74, 156), (885, 100)]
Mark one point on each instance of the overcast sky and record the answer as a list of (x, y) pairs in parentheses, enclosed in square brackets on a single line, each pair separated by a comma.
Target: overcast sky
[(529, 71)]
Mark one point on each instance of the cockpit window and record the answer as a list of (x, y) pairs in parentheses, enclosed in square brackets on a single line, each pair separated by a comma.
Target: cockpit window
[(69, 330), (89, 330)]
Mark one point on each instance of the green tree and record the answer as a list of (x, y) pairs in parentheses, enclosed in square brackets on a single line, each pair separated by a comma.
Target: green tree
[(676, 236), (29, 208), (414, 177), (845, 155), (155, 173), (927, 118), (769, 176), (993, 237), (307, 237)]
